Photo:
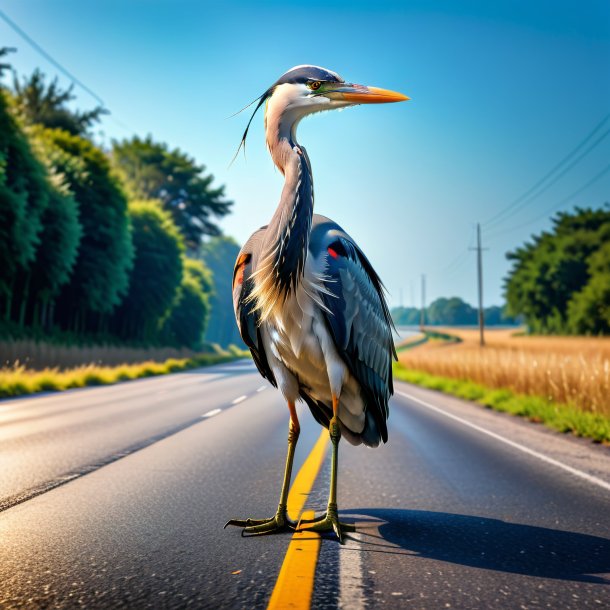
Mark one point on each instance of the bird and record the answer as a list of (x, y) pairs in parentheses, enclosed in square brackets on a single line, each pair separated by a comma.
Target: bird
[(307, 301)]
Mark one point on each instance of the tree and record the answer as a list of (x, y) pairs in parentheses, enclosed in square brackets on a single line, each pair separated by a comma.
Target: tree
[(24, 196), (451, 311), (197, 270), (156, 274), (219, 255), (496, 316), (101, 275), (150, 170), (56, 256), (589, 309), (4, 51), (405, 316), (186, 322), (548, 271), (188, 319), (47, 105)]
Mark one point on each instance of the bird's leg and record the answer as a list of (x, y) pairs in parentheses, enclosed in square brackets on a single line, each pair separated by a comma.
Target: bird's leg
[(330, 521), (279, 522)]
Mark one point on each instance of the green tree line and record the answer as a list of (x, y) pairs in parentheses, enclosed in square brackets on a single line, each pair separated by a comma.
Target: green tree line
[(450, 312), (100, 244), (560, 280)]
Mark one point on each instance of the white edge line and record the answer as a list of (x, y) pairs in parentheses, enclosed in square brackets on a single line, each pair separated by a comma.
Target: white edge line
[(351, 594), (239, 399), (212, 413), (540, 456)]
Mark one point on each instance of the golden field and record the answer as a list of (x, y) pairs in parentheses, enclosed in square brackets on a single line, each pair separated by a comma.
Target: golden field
[(568, 370), (40, 355)]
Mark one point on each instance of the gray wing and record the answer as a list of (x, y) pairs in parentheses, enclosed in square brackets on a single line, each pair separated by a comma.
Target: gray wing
[(358, 318), (246, 316)]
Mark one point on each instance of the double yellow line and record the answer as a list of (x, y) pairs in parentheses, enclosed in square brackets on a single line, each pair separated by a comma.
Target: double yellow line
[(294, 586)]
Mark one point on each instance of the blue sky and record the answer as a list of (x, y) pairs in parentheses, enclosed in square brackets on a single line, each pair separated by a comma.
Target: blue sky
[(501, 92)]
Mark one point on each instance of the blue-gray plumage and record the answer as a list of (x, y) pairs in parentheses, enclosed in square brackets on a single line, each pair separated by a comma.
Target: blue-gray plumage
[(308, 303)]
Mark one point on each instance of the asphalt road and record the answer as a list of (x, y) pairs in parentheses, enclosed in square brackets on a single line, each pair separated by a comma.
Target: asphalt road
[(116, 497)]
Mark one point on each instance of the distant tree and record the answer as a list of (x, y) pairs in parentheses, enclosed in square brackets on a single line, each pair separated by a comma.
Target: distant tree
[(496, 316), (548, 271), (156, 275), (47, 105), (219, 255), (405, 316), (150, 170), (450, 311), (101, 275)]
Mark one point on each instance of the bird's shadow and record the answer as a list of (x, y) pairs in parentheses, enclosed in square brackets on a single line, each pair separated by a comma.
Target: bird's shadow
[(481, 542)]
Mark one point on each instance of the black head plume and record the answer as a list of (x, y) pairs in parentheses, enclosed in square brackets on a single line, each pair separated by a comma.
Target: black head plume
[(261, 100)]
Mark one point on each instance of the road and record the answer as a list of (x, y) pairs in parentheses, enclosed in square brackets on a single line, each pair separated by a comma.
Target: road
[(115, 497)]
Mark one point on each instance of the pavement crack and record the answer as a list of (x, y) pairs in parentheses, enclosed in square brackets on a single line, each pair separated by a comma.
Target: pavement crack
[(67, 477)]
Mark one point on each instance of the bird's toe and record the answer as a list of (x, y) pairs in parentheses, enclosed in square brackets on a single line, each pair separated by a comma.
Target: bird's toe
[(329, 522), (254, 527)]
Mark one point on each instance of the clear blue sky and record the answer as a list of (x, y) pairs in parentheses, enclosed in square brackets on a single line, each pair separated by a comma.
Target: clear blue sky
[(501, 92)]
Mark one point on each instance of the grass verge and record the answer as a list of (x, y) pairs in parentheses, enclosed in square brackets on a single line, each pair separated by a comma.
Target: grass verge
[(19, 381), (562, 417), (441, 336), (426, 336), (411, 343)]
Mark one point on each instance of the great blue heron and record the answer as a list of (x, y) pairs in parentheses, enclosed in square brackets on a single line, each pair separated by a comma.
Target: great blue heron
[(308, 303)]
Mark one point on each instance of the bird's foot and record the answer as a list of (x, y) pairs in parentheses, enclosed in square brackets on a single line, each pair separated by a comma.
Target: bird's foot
[(256, 527), (329, 522)]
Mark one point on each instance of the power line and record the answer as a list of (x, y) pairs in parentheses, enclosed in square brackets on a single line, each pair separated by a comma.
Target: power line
[(457, 261), (531, 193), (556, 178), (556, 206), (64, 71), (48, 57)]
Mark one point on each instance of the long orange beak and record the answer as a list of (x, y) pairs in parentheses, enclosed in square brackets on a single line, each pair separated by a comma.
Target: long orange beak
[(359, 94)]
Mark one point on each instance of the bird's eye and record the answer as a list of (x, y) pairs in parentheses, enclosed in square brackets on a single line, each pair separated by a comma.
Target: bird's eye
[(315, 85)]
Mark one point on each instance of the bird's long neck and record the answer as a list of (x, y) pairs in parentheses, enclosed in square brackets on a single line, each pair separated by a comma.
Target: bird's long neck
[(284, 250)]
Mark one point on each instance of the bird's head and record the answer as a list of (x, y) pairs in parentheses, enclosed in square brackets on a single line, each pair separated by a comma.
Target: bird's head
[(304, 90)]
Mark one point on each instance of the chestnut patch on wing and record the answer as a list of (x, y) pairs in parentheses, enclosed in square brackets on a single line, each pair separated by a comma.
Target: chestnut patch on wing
[(238, 273)]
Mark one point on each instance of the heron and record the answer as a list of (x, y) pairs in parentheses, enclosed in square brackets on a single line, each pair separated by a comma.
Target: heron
[(307, 301)]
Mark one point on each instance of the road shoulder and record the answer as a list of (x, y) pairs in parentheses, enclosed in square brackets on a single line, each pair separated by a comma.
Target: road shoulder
[(577, 453)]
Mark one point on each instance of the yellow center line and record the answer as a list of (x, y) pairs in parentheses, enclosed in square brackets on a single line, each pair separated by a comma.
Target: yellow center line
[(294, 585)]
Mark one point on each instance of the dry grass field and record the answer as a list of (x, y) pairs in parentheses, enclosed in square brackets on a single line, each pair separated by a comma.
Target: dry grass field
[(568, 370), (39, 355)]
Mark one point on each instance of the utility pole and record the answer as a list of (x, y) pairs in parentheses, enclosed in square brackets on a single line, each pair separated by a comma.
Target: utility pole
[(422, 315), (479, 250)]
